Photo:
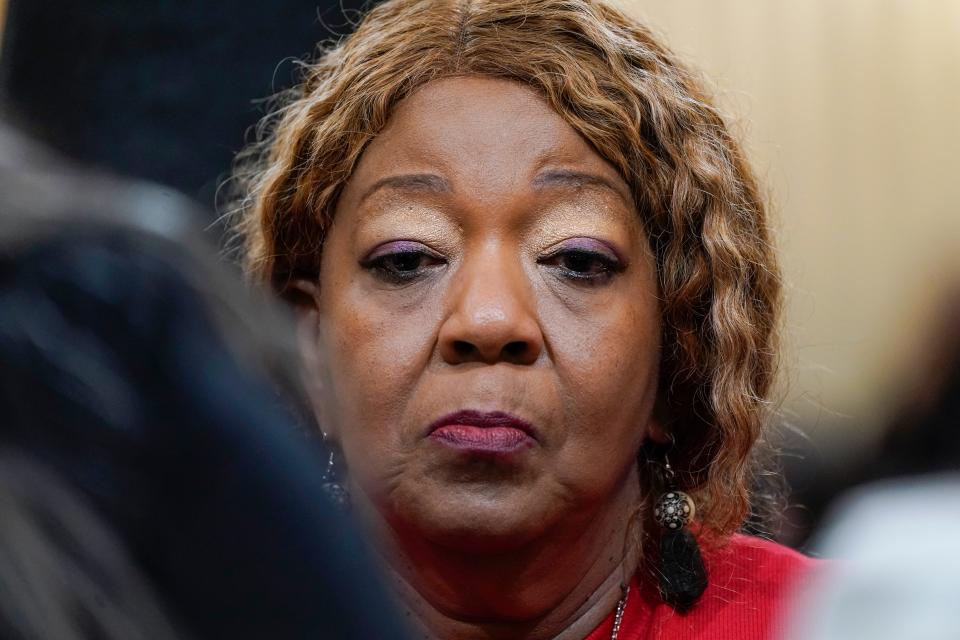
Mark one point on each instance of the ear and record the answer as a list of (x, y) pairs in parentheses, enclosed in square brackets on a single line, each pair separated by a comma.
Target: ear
[(304, 295), (658, 430)]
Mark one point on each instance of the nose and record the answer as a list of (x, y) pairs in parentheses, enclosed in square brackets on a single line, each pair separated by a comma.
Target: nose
[(492, 313)]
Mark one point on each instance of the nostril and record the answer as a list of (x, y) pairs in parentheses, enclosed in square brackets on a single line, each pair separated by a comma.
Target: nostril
[(515, 349), (463, 348)]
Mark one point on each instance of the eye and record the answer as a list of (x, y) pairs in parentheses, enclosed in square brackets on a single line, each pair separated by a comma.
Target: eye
[(401, 262), (585, 262)]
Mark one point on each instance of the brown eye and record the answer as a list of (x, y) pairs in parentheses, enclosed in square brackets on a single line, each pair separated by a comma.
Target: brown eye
[(584, 266), (402, 262), (406, 263), (583, 263)]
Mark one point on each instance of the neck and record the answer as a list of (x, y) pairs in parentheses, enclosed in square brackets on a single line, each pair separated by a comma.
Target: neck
[(560, 586)]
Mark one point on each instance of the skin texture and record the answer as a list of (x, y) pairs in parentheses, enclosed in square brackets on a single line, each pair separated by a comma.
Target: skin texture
[(507, 308)]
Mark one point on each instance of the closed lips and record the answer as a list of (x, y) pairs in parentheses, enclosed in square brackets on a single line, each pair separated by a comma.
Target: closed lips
[(484, 420), (480, 432)]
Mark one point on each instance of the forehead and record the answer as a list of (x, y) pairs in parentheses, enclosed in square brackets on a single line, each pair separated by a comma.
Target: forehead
[(480, 136)]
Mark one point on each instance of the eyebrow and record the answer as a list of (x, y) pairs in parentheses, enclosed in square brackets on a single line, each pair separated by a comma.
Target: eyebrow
[(422, 182), (577, 180), (432, 183)]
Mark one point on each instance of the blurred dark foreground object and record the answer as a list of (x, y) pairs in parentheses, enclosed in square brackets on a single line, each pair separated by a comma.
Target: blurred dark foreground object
[(65, 574), (139, 381)]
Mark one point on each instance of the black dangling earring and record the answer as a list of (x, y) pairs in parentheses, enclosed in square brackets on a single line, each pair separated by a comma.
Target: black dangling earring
[(683, 576), (336, 491)]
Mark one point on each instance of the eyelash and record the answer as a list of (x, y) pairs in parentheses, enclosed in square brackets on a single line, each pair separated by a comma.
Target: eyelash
[(385, 268), (609, 267), (381, 266)]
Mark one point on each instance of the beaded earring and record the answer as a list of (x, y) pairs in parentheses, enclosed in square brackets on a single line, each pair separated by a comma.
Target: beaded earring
[(683, 576), (336, 491)]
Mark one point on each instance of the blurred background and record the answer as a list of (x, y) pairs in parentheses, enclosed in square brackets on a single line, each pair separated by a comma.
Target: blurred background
[(848, 108), (850, 112)]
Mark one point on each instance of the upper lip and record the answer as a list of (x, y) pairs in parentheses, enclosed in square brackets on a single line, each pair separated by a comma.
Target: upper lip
[(484, 419)]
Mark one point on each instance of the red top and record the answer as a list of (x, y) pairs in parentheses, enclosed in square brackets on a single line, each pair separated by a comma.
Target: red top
[(749, 580)]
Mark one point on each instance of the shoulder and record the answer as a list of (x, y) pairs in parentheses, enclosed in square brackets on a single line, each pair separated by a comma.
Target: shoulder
[(762, 566), (750, 581)]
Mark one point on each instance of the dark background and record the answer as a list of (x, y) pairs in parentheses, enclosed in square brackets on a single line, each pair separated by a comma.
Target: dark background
[(156, 89)]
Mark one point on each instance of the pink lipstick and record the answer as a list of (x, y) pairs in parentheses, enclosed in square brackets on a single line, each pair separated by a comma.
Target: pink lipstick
[(493, 432)]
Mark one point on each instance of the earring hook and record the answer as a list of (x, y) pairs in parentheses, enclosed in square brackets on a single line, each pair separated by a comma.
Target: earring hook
[(667, 469)]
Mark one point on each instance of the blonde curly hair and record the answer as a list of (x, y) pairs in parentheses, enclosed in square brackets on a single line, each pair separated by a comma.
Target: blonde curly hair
[(643, 111)]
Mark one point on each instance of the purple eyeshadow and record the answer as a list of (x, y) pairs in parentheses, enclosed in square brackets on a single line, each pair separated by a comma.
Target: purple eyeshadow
[(591, 245), (397, 246)]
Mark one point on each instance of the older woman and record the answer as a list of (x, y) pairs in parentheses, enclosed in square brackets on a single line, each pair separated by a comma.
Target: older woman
[(538, 302)]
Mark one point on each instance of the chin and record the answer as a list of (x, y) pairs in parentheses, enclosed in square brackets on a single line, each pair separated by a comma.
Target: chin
[(477, 519)]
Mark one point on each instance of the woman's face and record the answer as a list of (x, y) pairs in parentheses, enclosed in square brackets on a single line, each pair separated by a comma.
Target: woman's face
[(488, 315)]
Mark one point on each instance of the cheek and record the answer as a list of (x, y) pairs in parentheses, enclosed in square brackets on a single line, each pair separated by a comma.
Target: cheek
[(608, 363), (375, 357), (611, 370)]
